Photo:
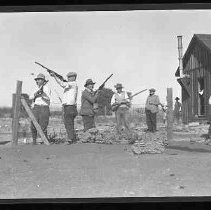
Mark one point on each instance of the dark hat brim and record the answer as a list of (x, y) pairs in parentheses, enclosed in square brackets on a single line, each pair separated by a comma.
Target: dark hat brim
[(39, 78)]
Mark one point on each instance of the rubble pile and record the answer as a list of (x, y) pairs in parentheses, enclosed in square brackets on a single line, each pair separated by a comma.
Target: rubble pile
[(108, 135), (150, 143), (141, 142)]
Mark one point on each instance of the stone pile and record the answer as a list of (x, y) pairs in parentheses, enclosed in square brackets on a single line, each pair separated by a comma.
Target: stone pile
[(107, 135), (150, 143), (141, 142)]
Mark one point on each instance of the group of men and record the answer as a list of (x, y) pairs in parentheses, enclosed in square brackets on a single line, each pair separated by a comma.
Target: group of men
[(120, 100)]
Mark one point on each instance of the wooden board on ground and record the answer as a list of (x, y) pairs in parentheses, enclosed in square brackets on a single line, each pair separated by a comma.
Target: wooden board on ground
[(32, 117)]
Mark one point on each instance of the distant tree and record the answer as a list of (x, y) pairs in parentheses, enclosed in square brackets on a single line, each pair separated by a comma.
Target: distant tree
[(104, 100)]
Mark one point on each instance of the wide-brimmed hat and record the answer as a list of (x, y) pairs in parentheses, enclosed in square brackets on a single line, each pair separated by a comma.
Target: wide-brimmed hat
[(72, 74), (89, 82), (118, 85), (40, 76), (151, 90), (176, 98)]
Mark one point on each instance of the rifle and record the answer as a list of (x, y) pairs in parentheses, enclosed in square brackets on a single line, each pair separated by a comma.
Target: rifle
[(40, 91), (52, 72), (102, 86), (95, 105), (115, 106)]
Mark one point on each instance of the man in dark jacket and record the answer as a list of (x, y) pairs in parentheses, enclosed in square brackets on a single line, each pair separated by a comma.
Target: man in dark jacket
[(88, 101)]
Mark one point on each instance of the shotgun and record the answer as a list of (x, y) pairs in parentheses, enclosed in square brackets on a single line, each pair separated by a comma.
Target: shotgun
[(52, 72), (115, 106)]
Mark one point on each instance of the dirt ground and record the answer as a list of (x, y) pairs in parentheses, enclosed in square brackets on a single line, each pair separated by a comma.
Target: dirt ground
[(94, 170), (97, 170)]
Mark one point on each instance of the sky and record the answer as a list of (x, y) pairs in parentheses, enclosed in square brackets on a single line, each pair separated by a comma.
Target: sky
[(138, 47)]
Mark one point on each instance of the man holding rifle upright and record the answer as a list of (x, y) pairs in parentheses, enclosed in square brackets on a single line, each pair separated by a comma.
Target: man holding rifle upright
[(69, 103), (89, 105), (88, 101)]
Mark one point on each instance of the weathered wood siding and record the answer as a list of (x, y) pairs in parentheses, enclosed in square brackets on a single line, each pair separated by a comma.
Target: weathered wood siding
[(198, 65)]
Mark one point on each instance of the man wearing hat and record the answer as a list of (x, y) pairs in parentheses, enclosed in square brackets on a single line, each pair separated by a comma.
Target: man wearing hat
[(151, 110), (69, 103), (41, 99), (177, 109), (122, 103), (88, 100)]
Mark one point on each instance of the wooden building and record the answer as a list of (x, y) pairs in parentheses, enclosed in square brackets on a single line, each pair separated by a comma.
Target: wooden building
[(195, 78)]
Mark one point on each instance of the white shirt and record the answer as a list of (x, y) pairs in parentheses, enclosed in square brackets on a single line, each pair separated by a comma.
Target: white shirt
[(210, 100), (122, 96), (70, 93), (40, 100)]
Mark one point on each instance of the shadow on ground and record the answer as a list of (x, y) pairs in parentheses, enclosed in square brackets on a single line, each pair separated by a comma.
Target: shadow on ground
[(189, 147)]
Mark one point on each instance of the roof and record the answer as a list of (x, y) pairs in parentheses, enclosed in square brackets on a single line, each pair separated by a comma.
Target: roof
[(203, 39)]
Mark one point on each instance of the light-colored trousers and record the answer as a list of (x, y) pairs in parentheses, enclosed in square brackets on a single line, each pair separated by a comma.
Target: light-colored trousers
[(122, 119)]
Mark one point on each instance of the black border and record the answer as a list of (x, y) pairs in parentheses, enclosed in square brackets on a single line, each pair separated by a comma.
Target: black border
[(116, 202), (102, 7)]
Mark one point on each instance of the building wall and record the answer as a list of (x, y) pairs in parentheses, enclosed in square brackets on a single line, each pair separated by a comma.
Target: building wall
[(198, 65)]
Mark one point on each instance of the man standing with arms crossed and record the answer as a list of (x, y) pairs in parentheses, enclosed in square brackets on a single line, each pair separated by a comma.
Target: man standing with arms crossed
[(69, 103), (41, 103)]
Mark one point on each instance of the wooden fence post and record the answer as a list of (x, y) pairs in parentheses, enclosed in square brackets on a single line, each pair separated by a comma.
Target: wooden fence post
[(169, 113), (16, 112), (105, 109)]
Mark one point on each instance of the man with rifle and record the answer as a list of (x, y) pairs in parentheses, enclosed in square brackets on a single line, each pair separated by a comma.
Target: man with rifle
[(69, 103), (89, 103), (41, 103), (88, 100), (69, 100), (120, 104)]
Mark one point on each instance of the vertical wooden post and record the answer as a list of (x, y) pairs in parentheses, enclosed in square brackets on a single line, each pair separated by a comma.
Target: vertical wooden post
[(169, 113), (16, 112)]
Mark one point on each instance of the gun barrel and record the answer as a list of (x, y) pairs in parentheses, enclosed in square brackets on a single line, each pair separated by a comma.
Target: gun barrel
[(51, 71), (137, 93)]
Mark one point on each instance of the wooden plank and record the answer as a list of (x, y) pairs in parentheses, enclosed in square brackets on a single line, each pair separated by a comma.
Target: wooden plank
[(32, 117), (16, 113), (169, 113)]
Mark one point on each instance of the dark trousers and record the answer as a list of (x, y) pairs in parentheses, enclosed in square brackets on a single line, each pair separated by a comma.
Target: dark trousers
[(42, 114), (151, 120), (88, 121), (70, 112)]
